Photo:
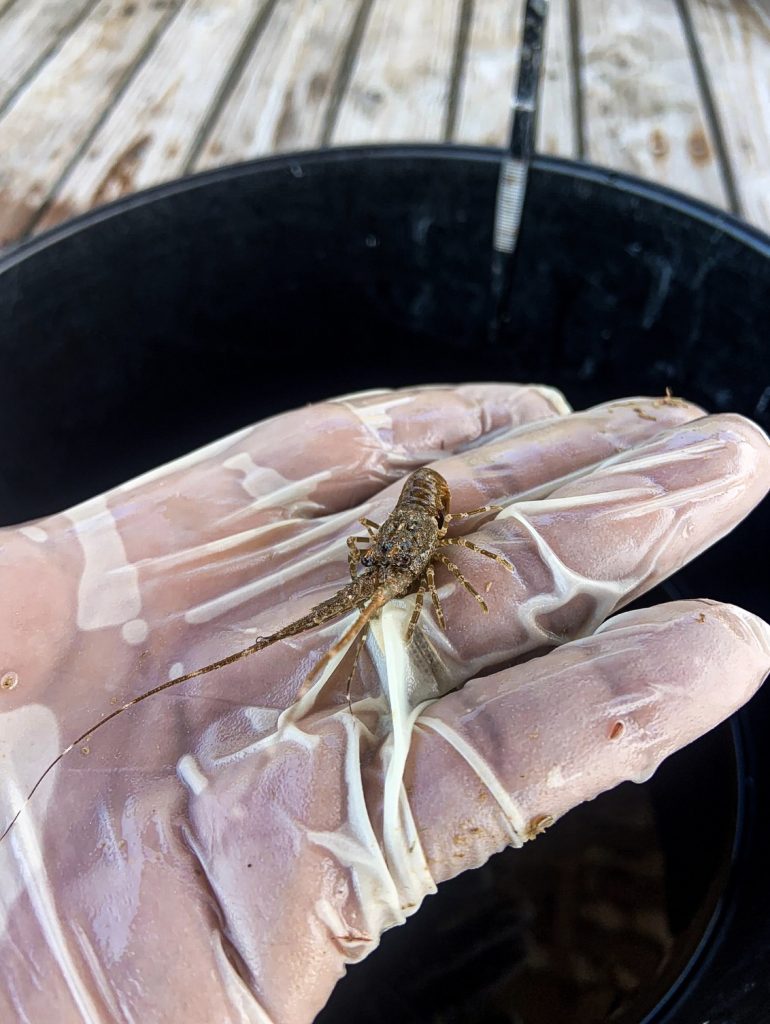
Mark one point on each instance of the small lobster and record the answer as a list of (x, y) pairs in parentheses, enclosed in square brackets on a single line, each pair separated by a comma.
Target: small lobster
[(398, 560)]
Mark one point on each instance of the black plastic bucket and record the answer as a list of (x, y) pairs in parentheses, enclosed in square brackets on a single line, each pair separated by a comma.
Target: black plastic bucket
[(157, 323)]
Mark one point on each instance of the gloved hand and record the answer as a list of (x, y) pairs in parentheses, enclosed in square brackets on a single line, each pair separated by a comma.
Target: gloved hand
[(219, 851)]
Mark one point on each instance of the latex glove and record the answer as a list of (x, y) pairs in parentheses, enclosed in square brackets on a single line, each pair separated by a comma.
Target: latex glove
[(219, 852)]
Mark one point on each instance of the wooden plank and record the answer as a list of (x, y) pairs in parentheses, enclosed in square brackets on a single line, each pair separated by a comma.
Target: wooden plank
[(494, 41), (149, 133), (642, 105), (557, 131), (400, 83), (44, 128), (281, 98), (734, 39), (28, 31), (490, 68)]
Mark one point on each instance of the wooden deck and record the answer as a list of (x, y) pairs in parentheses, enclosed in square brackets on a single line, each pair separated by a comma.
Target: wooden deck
[(99, 98)]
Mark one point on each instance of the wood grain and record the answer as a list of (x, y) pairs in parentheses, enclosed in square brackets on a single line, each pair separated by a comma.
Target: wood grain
[(400, 84), (734, 38), (282, 96), (49, 121), (643, 109), (148, 134), (489, 73), (557, 132), (28, 31)]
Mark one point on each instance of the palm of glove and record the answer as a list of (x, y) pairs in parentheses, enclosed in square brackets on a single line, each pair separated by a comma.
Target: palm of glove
[(221, 850)]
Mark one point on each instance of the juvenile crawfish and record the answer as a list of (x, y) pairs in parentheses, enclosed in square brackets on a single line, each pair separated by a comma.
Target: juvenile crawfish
[(397, 560)]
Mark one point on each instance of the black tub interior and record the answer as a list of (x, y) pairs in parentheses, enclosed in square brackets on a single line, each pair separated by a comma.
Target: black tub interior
[(165, 321)]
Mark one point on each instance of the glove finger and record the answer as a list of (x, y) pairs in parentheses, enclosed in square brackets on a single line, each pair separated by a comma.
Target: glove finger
[(509, 754), (323, 458)]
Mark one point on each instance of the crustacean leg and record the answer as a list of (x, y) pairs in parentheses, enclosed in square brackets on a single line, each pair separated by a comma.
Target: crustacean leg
[(463, 543), (458, 575), (416, 611), (434, 597), (457, 516)]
